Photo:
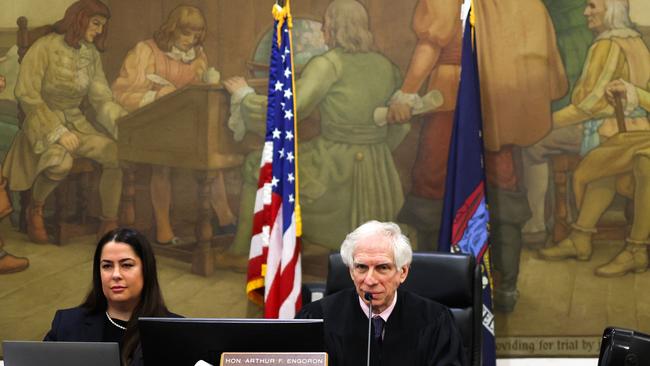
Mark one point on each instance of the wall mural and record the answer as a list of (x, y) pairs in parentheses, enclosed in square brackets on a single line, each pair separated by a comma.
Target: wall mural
[(161, 131)]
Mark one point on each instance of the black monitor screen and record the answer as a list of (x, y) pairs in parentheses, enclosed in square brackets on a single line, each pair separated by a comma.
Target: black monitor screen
[(184, 341), (624, 347)]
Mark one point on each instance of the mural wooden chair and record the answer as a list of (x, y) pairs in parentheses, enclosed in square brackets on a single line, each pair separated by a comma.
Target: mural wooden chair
[(79, 178), (564, 212)]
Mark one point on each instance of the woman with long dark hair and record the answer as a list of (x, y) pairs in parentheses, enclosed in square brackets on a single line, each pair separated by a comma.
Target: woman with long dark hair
[(124, 288)]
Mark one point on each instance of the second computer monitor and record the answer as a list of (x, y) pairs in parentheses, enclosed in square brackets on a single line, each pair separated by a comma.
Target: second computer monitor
[(184, 341)]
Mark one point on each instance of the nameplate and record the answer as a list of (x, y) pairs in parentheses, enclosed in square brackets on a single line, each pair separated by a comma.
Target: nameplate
[(273, 358)]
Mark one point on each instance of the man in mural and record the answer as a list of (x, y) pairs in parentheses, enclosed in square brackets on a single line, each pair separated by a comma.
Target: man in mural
[(516, 101), (629, 175), (172, 59), (347, 173), (574, 39), (618, 53), (437, 25), (8, 263), (58, 71)]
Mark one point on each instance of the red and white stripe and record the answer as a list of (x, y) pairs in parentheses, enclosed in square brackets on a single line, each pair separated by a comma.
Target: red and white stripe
[(276, 251)]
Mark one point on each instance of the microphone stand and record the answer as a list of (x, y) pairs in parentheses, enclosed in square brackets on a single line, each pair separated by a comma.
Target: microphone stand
[(368, 297)]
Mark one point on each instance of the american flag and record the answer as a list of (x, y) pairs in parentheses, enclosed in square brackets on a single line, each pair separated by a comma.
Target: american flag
[(274, 268)]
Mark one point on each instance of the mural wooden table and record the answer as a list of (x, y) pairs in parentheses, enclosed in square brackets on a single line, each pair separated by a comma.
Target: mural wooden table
[(185, 129)]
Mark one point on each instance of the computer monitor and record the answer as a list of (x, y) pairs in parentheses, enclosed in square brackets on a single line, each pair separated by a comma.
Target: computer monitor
[(184, 341), (624, 347), (28, 353)]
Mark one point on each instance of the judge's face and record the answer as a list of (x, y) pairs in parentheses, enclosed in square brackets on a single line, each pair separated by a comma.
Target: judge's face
[(374, 271), (595, 14), (95, 27), (121, 274)]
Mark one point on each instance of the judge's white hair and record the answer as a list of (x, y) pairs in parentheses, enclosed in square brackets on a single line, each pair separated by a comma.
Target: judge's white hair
[(617, 15), (402, 251)]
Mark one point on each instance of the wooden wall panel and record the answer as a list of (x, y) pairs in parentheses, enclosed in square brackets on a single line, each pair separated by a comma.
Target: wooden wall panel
[(239, 22), (211, 8), (131, 22), (390, 22)]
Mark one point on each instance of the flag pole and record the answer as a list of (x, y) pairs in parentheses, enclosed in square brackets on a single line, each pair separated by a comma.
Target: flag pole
[(274, 273)]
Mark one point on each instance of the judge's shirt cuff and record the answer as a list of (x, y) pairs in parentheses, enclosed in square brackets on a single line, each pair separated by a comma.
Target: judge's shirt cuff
[(236, 121)]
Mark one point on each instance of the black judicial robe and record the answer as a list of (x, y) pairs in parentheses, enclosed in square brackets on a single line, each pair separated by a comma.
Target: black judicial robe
[(419, 332)]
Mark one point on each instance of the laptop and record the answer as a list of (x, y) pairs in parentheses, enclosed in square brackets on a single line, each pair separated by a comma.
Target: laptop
[(28, 353)]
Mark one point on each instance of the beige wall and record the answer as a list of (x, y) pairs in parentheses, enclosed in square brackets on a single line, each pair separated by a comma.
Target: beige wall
[(13, 9)]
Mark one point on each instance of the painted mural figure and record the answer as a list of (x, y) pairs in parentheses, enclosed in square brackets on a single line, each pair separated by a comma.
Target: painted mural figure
[(347, 173), (618, 163), (617, 53), (172, 59), (57, 72), (8, 263), (516, 104), (634, 96), (437, 25), (574, 39), (8, 106), (516, 107)]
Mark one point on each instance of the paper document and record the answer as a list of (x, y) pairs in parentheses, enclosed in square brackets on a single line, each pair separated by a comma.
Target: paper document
[(430, 102)]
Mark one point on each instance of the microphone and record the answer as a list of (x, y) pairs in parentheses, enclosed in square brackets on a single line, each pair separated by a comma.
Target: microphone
[(368, 297)]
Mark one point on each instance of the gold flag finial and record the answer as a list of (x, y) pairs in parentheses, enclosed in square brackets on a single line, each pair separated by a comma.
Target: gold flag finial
[(280, 13), (472, 16)]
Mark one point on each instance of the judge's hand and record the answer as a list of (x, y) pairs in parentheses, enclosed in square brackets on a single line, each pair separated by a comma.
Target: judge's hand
[(167, 89), (615, 88), (69, 140), (398, 113), (3, 83), (234, 83)]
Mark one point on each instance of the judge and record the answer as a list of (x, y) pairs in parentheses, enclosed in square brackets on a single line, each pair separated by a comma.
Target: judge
[(407, 329)]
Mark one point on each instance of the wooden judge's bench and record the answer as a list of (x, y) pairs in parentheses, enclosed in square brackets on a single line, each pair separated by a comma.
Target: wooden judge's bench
[(185, 129)]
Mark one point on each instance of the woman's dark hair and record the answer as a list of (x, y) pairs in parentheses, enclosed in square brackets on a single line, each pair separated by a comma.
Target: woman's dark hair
[(151, 301), (76, 19)]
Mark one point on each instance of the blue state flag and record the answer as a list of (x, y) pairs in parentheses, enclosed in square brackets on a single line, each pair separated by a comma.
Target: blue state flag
[(464, 227)]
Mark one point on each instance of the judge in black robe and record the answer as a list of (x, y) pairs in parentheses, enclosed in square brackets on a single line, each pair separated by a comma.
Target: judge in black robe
[(418, 332)]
